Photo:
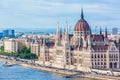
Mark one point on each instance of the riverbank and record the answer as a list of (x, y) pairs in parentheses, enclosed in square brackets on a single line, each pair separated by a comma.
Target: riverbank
[(39, 67), (59, 71)]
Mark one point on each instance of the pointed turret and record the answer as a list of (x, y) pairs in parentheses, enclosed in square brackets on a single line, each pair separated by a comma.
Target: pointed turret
[(58, 29), (58, 33), (67, 44), (67, 27), (106, 32), (66, 31), (44, 42)]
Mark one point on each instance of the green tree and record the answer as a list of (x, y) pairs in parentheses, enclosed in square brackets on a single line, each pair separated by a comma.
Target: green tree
[(24, 53), (2, 48), (27, 50), (23, 49)]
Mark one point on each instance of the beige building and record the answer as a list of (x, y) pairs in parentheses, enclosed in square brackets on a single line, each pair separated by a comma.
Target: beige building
[(35, 48), (10, 45), (13, 45)]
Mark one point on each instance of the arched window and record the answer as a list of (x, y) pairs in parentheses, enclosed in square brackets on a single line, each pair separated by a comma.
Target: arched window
[(92, 55), (95, 55), (115, 65), (98, 63), (104, 55), (95, 63), (92, 63), (104, 63), (67, 54), (114, 56), (75, 61), (110, 56), (101, 56), (101, 63), (98, 56)]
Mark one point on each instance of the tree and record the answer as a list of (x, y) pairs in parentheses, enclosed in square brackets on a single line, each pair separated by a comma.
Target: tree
[(2, 48), (24, 49), (24, 53), (27, 50)]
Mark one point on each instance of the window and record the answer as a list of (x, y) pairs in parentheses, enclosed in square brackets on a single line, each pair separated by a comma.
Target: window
[(116, 56), (92, 55), (104, 63), (104, 55), (101, 56), (101, 63), (95, 55), (75, 60), (67, 54), (98, 56), (98, 63)]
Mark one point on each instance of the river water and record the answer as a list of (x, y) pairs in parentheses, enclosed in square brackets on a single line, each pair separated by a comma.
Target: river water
[(22, 73)]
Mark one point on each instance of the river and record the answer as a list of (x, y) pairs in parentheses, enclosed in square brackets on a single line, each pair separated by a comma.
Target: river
[(22, 73)]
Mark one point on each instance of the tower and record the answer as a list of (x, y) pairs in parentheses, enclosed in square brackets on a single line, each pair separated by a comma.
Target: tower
[(44, 53), (67, 51)]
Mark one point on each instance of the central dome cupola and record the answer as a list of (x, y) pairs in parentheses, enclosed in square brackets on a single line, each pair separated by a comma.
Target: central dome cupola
[(82, 27)]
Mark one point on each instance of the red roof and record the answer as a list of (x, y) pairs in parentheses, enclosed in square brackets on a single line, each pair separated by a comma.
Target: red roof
[(100, 48), (82, 25), (98, 37)]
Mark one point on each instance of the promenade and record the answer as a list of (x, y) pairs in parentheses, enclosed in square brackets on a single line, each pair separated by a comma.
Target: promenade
[(67, 72)]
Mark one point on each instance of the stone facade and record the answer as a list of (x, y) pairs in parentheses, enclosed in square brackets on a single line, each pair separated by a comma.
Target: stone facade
[(82, 51)]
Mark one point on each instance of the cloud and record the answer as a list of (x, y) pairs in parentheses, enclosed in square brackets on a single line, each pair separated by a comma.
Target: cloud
[(37, 13)]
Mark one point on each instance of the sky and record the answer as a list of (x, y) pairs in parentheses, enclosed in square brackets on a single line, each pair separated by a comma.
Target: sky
[(44, 14)]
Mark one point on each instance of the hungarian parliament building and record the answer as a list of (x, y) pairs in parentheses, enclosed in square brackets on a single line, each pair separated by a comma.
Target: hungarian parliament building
[(81, 50)]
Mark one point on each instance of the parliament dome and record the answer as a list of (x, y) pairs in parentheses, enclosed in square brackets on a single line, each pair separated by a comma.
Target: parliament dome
[(82, 24)]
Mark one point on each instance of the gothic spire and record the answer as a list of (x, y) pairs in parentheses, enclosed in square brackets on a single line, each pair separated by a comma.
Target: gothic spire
[(82, 15), (66, 27), (58, 33), (100, 30), (105, 32), (67, 44), (58, 28), (64, 30), (44, 41)]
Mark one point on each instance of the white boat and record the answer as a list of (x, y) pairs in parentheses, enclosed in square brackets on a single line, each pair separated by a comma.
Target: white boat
[(7, 64)]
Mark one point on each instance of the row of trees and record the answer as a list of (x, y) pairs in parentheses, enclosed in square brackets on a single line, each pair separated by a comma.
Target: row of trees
[(24, 53)]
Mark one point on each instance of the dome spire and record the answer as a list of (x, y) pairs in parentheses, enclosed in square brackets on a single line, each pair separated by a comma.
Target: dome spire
[(82, 15)]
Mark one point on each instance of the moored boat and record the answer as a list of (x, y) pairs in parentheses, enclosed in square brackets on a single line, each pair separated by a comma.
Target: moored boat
[(7, 64)]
